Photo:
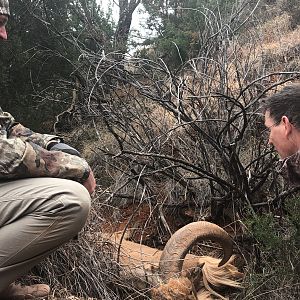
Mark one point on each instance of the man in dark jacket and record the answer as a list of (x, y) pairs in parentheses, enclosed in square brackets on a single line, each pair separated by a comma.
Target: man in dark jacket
[(282, 119), (44, 197)]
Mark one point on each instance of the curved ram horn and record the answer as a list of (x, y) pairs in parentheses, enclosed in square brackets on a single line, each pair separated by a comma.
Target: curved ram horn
[(182, 240)]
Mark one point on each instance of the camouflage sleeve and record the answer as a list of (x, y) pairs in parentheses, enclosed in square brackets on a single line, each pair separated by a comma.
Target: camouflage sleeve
[(14, 129), (27, 135), (21, 159)]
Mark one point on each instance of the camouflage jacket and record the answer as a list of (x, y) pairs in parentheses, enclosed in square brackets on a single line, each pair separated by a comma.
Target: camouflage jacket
[(4, 7), (289, 168), (23, 153)]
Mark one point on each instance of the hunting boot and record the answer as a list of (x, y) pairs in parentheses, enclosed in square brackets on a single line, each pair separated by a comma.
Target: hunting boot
[(19, 292)]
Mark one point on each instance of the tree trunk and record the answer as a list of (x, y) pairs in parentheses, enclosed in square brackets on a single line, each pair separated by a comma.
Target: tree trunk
[(123, 27)]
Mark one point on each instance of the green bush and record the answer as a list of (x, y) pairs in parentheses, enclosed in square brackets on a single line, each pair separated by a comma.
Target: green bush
[(293, 208), (274, 274), (263, 229)]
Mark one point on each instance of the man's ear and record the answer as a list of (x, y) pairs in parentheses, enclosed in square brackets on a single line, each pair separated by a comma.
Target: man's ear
[(287, 125)]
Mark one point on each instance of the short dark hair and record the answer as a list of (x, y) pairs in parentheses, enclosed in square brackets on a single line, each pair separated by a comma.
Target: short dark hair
[(285, 103)]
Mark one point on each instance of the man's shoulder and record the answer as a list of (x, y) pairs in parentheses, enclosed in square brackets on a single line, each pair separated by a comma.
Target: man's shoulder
[(6, 119)]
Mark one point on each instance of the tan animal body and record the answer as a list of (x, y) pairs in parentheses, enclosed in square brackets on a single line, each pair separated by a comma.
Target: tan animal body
[(175, 274)]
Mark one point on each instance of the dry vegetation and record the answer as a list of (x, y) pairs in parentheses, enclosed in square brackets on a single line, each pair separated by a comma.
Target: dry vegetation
[(171, 147)]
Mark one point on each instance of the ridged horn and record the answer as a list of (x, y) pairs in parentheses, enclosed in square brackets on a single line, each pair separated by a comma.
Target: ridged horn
[(182, 240)]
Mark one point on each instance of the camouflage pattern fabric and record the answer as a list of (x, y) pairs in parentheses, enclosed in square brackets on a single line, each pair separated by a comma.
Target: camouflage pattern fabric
[(6, 120), (27, 135), (4, 7), (13, 129), (23, 153), (289, 168)]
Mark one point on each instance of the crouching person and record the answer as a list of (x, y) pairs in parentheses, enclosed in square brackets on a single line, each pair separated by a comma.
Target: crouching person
[(44, 197)]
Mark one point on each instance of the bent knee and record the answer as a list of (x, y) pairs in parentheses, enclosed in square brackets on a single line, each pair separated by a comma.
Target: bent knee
[(77, 196), (76, 202)]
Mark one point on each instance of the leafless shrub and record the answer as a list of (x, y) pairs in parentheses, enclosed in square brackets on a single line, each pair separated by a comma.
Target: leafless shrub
[(194, 129), (85, 268), (191, 138)]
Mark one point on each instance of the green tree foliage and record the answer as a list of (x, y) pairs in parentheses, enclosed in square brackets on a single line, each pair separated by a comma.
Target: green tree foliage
[(180, 24), (277, 254), (41, 51)]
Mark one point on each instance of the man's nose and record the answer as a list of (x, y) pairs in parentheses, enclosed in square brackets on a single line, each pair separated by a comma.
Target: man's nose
[(3, 33)]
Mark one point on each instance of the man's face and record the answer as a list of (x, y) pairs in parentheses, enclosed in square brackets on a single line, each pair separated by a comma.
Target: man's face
[(280, 135), (3, 21)]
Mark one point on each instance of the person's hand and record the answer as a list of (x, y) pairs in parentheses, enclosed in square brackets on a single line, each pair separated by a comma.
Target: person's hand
[(90, 183)]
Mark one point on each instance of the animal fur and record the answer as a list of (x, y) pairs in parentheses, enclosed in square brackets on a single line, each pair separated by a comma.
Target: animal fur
[(200, 278)]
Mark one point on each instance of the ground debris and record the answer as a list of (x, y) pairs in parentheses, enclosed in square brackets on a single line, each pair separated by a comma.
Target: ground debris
[(71, 298)]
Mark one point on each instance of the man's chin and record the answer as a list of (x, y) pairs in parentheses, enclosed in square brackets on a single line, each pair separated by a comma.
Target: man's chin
[(286, 155)]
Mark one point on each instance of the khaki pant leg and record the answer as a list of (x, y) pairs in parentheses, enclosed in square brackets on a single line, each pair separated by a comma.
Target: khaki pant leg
[(36, 216)]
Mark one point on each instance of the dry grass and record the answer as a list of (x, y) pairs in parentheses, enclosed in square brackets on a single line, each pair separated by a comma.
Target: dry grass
[(84, 269)]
